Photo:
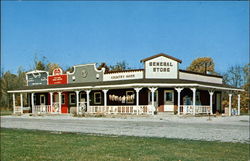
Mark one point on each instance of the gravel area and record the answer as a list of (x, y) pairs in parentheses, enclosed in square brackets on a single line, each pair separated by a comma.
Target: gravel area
[(225, 129)]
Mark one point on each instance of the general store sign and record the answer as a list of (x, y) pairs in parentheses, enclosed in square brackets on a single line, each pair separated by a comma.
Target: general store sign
[(161, 67), (58, 77)]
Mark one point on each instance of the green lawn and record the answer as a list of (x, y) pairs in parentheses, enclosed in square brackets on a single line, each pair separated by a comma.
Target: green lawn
[(3, 113), (20, 145)]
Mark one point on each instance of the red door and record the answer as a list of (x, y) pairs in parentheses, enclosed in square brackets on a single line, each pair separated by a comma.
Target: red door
[(65, 102)]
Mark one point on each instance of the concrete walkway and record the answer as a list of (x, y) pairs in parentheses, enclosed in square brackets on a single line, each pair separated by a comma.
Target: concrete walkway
[(225, 129)]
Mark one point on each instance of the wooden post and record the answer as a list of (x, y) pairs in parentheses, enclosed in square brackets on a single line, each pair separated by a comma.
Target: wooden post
[(179, 98), (194, 99), (137, 97), (211, 101), (77, 102), (87, 93), (32, 103), (238, 104), (14, 103), (230, 104), (51, 101), (60, 102), (21, 101)]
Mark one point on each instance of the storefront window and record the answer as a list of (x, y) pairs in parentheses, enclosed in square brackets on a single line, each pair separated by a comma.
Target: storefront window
[(72, 98), (97, 97)]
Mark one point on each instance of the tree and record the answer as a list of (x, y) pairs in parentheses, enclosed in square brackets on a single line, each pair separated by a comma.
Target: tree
[(202, 65), (50, 67), (40, 64), (103, 65), (234, 76), (119, 66)]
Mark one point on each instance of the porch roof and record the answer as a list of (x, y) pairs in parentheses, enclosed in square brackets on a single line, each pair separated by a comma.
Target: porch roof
[(125, 84)]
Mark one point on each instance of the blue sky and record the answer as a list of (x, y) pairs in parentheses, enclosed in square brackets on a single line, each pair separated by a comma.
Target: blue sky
[(70, 33)]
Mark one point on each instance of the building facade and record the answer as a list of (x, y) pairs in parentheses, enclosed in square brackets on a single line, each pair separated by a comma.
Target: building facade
[(159, 87)]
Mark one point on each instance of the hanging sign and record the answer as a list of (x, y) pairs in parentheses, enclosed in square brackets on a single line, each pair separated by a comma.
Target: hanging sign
[(58, 77)]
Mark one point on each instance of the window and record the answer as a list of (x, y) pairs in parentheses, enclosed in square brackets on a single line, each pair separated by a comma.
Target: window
[(42, 99), (130, 95), (72, 98), (83, 97), (169, 96), (97, 97), (63, 98)]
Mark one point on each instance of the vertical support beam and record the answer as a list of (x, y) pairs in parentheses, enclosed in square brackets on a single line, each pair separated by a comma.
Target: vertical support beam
[(194, 99), (14, 103), (87, 93), (152, 90), (32, 103), (51, 100), (60, 102), (238, 104), (77, 102), (211, 101), (230, 104), (105, 98), (179, 98), (137, 98), (21, 101)]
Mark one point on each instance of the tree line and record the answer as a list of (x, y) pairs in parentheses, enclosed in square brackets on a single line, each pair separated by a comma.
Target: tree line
[(236, 75)]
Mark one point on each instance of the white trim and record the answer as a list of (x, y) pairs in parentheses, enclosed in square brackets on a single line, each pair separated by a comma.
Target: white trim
[(125, 86), (80, 65)]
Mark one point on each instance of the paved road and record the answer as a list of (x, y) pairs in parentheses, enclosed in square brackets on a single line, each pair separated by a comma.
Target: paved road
[(226, 129)]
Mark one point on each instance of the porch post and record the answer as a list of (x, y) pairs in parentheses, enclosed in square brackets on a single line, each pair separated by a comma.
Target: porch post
[(238, 104), (77, 102), (105, 97), (211, 101), (87, 92), (137, 97), (230, 104), (32, 103), (51, 100), (194, 99), (179, 99), (153, 96), (14, 103), (21, 100), (60, 102)]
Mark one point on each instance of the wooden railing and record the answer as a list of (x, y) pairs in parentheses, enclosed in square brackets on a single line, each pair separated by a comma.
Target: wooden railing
[(189, 109), (142, 109), (43, 109)]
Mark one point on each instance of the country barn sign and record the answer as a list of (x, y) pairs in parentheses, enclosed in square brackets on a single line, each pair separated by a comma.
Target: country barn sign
[(36, 77), (58, 77)]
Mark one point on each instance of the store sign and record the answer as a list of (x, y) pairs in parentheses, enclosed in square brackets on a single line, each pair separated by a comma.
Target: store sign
[(161, 67), (123, 76), (58, 77), (36, 78)]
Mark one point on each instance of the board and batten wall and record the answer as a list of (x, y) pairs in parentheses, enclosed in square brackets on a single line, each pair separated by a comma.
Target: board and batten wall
[(201, 78)]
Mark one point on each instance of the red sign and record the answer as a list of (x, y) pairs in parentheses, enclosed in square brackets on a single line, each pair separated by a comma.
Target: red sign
[(58, 79), (57, 71)]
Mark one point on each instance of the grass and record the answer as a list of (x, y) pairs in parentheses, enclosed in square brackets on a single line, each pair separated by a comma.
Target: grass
[(4, 113), (19, 144)]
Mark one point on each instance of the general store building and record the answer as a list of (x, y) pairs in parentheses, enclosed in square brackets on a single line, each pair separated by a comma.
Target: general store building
[(159, 87)]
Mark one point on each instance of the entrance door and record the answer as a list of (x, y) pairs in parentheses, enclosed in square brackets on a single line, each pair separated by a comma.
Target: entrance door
[(43, 103), (168, 100), (42, 99), (64, 102)]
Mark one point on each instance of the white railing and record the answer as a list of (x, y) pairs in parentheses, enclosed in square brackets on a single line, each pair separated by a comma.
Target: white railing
[(189, 109), (18, 109), (142, 109), (44, 109)]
